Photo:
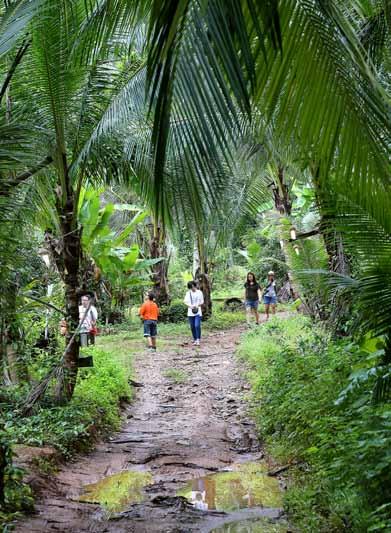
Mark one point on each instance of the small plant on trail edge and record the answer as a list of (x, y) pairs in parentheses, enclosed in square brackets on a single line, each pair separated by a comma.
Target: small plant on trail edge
[(17, 495), (178, 376)]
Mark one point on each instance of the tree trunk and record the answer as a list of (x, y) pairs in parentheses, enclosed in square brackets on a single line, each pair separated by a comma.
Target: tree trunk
[(3, 464), (72, 252), (13, 340), (66, 253), (159, 275), (202, 277), (338, 260), (204, 285), (282, 200)]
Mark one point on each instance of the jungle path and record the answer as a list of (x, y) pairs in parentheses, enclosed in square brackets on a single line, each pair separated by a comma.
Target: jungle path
[(182, 425)]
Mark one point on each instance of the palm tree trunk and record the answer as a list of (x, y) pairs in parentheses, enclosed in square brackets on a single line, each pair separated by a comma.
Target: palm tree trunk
[(66, 253), (71, 274), (202, 277), (13, 340), (159, 275), (282, 200), (338, 260), (3, 464)]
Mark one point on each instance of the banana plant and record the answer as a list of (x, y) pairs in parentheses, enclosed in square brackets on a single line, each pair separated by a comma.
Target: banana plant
[(108, 250)]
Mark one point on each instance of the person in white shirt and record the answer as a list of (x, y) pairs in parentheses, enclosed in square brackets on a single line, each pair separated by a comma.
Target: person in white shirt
[(194, 299), (87, 321)]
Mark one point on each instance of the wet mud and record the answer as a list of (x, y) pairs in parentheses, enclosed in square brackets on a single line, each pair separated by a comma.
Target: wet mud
[(186, 459)]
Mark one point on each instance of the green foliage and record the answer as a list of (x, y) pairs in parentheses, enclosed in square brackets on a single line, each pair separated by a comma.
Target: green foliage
[(313, 289), (224, 319), (17, 494), (93, 409), (175, 312), (107, 247), (228, 282), (312, 399), (263, 253)]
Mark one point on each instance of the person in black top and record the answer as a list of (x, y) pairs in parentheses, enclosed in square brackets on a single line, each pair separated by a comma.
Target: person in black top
[(251, 297)]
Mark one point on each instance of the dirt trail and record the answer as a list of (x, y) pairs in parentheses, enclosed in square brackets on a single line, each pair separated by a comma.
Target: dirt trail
[(174, 432)]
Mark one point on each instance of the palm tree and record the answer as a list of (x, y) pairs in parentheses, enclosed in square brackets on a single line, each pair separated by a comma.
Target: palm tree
[(318, 88), (211, 67), (66, 91), (317, 70)]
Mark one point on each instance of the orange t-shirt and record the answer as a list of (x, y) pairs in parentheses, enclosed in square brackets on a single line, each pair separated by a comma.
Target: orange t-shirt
[(149, 310)]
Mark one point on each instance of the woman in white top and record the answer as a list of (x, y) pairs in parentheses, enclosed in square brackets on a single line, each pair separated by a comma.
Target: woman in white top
[(88, 315), (194, 299)]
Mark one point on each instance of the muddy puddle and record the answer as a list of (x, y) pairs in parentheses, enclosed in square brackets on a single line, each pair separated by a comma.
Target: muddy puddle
[(117, 492), (253, 526), (242, 486)]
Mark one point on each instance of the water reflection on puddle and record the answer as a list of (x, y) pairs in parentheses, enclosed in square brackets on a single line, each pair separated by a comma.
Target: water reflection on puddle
[(247, 485), (253, 526), (115, 493)]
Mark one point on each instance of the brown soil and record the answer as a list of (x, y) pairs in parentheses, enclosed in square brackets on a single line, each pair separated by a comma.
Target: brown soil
[(177, 432)]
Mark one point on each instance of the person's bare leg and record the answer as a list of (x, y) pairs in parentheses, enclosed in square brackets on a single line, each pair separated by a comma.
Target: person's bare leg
[(153, 340), (267, 306), (273, 309), (248, 315), (256, 316), (149, 342)]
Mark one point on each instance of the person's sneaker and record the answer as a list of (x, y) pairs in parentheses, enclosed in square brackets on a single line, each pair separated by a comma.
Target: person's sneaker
[(150, 349), (197, 343)]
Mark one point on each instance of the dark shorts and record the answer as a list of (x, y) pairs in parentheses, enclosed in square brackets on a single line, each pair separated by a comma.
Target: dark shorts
[(269, 300), (150, 328), (252, 304)]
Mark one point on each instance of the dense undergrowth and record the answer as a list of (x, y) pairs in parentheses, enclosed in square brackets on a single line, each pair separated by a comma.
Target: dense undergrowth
[(94, 410), (312, 398)]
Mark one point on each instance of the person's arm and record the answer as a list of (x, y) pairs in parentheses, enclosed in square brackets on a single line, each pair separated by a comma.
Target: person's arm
[(260, 292), (94, 316), (187, 300)]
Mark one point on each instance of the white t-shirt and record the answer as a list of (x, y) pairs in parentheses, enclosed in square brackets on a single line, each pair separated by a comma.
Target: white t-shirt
[(92, 316), (270, 289), (194, 299)]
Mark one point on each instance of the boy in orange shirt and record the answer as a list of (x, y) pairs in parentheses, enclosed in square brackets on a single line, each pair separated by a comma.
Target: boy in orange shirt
[(149, 313)]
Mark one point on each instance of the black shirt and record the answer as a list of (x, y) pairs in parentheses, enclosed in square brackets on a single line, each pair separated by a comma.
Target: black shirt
[(252, 291)]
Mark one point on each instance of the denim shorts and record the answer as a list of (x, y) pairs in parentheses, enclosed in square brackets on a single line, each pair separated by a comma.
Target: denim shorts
[(150, 328), (252, 304), (269, 300)]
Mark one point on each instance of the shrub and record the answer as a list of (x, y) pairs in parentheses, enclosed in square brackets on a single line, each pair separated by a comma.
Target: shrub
[(224, 319), (176, 312), (312, 402), (93, 409)]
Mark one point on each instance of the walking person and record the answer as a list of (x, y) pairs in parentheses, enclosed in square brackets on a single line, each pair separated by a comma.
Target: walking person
[(252, 296), (149, 313), (88, 316), (270, 295), (194, 299)]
